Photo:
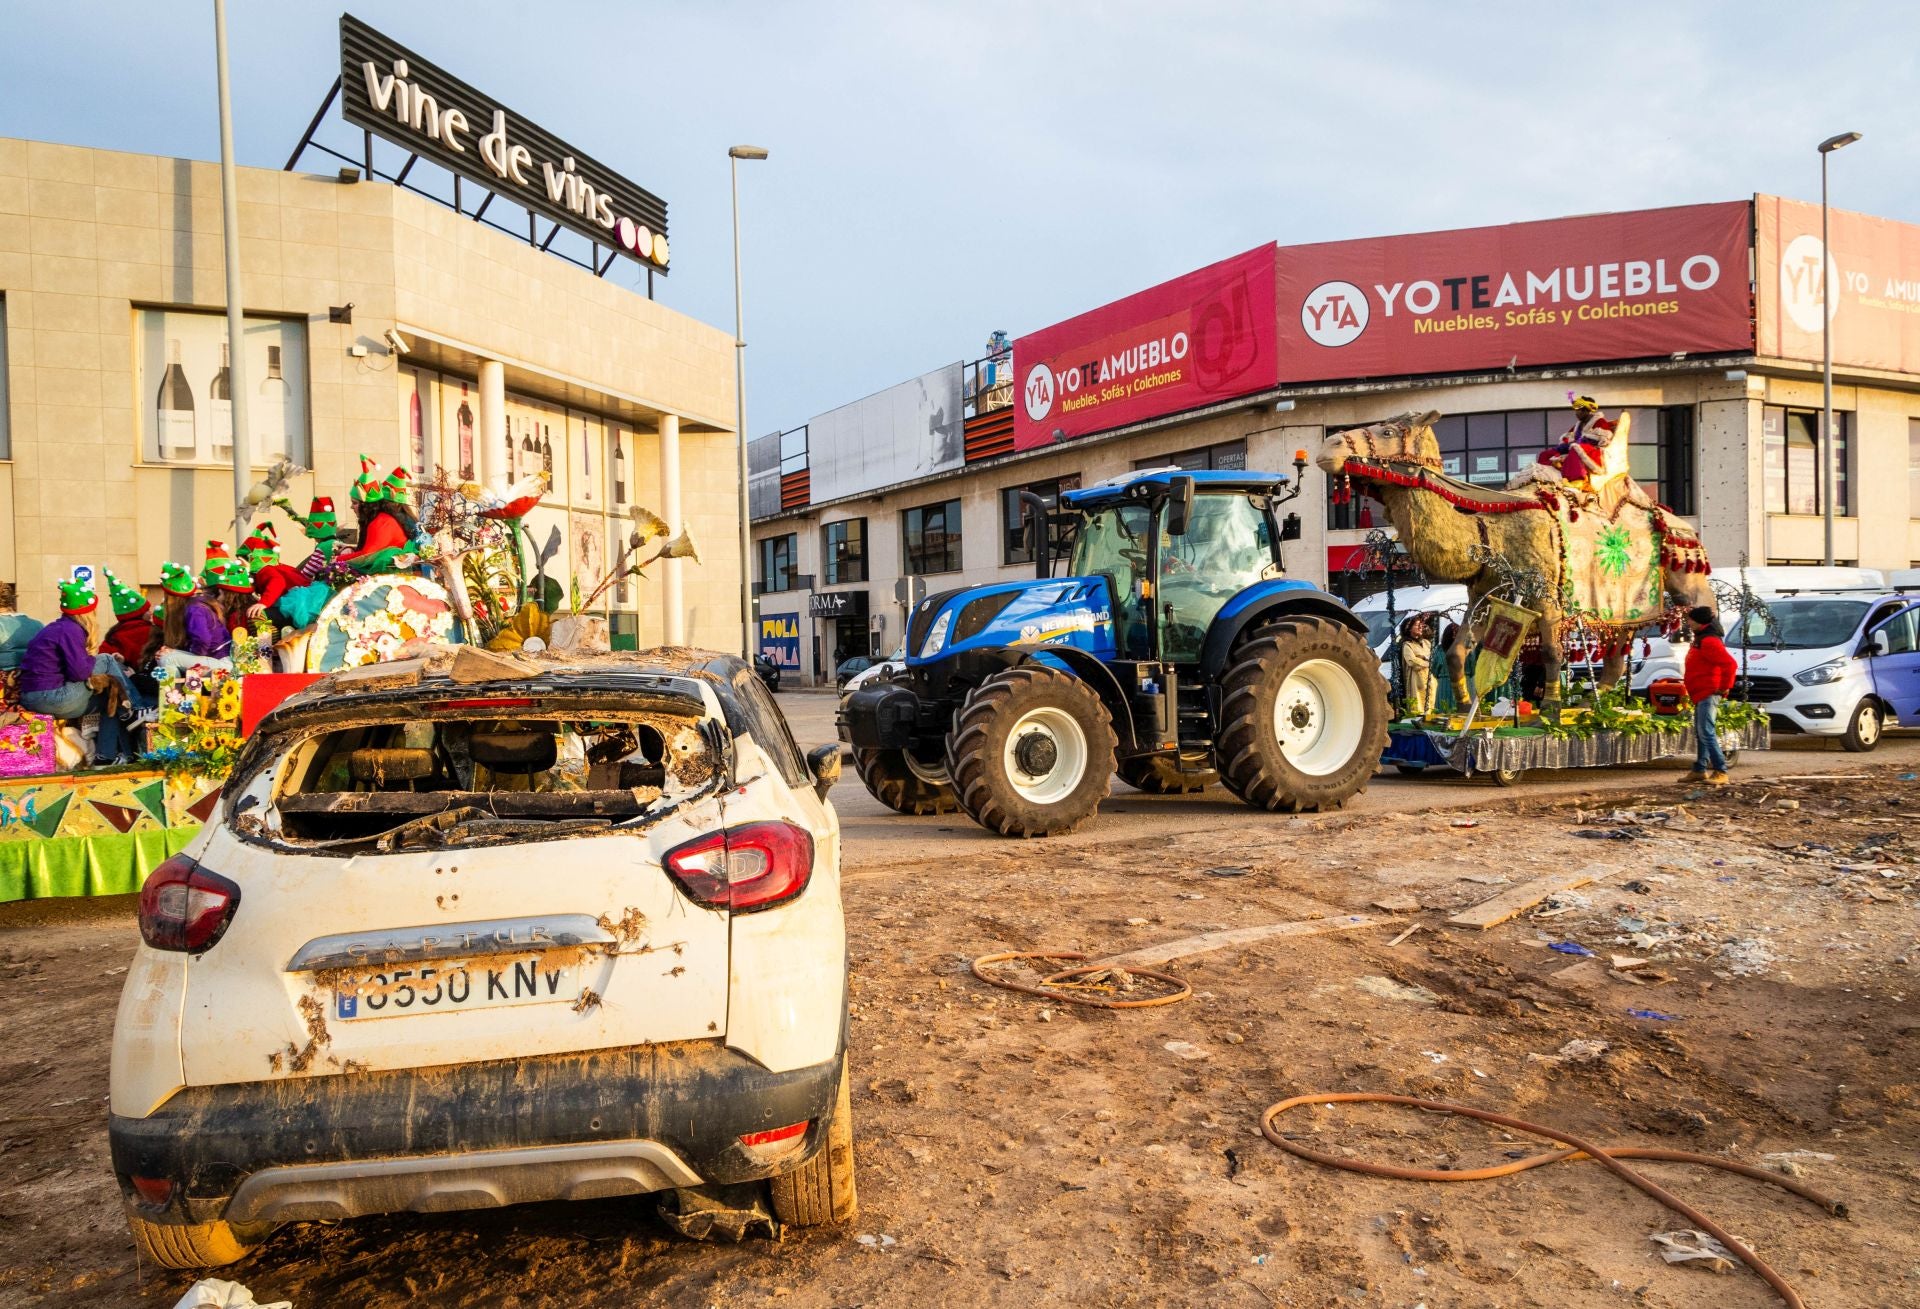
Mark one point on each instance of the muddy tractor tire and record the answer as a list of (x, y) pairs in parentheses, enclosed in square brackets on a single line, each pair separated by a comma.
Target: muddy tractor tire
[(1161, 775), (821, 1190), (903, 784), (193, 1245), (1303, 716), (1031, 752)]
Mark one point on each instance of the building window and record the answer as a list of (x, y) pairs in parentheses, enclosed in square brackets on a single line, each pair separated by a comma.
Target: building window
[(1016, 544), (1790, 457), (1226, 455), (1913, 466), (932, 541), (185, 388), (778, 565), (843, 547)]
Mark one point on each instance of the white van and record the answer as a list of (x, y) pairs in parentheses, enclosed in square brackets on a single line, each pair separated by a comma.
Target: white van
[(1842, 663)]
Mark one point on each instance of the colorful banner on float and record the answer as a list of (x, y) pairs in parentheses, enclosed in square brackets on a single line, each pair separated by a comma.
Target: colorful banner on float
[(1873, 267), (1193, 341), (1641, 284)]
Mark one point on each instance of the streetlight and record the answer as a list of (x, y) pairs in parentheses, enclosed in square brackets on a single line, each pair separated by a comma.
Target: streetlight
[(734, 156), (236, 307), (1827, 464)]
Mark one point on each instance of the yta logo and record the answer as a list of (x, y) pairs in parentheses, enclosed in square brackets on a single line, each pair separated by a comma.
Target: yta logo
[(1801, 293), (1334, 313), (1038, 392)]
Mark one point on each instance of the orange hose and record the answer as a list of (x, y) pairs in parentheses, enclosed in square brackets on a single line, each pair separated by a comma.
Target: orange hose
[(1578, 1148), (1061, 978)]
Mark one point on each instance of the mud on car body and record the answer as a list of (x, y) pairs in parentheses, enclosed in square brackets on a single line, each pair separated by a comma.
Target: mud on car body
[(451, 946)]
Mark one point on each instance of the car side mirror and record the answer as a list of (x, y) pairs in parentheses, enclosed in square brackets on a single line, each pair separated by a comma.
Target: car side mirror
[(1880, 643), (1290, 528), (823, 761), (1179, 505)]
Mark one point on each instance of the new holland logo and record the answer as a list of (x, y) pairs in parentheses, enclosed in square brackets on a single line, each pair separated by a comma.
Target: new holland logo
[(1334, 313)]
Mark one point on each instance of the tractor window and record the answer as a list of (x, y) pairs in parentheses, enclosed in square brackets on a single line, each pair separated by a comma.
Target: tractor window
[(1227, 547), (1114, 542)]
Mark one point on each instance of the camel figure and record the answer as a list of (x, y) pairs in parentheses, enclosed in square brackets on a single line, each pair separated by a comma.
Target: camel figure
[(1613, 560)]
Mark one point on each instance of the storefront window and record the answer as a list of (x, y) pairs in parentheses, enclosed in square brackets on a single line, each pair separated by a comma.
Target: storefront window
[(1226, 455), (1913, 467), (1790, 461), (843, 550), (778, 566), (1016, 542), (185, 388), (932, 538)]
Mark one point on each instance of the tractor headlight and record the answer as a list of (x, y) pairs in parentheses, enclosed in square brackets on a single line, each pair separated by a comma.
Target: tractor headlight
[(937, 638), (1831, 671)]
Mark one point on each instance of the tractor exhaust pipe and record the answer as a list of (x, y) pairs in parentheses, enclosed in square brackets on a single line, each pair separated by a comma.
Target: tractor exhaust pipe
[(1040, 539)]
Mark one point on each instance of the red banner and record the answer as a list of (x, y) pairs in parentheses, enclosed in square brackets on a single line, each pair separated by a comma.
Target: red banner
[(1570, 290), (1873, 267), (1197, 340)]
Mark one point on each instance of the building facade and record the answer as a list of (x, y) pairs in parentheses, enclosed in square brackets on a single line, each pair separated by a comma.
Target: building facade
[(115, 412), (1695, 322)]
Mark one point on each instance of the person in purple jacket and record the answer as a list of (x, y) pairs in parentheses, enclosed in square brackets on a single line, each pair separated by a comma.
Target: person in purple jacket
[(62, 678), (194, 620)]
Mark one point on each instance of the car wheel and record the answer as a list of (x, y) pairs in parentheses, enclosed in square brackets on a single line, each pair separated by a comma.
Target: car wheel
[(1031, 752), (1162, 775), (1863, 730), (1506, 776), (1303, 716), (193, 1245), (904, 784), (821, 1190)]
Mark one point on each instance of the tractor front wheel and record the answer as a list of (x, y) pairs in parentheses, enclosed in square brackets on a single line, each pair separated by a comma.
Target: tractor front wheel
[(1031, 752), (1303, 716), (904, 784)]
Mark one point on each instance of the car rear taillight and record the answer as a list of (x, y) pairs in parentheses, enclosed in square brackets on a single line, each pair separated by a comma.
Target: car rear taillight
[(154, 1192), (755, 866), (185, 907), (765, 1147)]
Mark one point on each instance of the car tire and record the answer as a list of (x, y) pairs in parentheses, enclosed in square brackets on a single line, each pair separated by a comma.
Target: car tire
[(1301, 667), (1161, 775), (1864, 728), (1064, 725), (891, 779), (1410, 770), (1506, 776), (821, 1191), (193, 1245)]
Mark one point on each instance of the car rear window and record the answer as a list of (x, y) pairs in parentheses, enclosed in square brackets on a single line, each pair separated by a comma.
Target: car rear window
[(460, 773)]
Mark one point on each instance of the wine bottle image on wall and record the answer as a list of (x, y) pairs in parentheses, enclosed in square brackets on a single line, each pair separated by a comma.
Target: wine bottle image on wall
[(509, 468), (619, 472), (416, 430), (220, 407), (270, 415), (173, 409), (465, 419)]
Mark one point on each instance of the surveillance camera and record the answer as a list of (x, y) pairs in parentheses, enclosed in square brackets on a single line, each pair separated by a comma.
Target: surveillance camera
[(397, 343)]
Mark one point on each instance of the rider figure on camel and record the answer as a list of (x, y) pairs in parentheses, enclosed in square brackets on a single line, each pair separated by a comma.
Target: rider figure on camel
[(1581, 450)]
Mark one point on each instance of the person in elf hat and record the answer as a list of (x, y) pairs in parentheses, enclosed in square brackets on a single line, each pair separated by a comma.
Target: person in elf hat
[(132, 622), (191, 621), (233, 592), (282, 593), (387, 524), (322, 527), (61, 678)]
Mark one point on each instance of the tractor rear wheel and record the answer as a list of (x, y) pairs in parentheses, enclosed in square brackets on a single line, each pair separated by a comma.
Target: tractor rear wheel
[(903, 784), (1303, 716), (1161, 775), (1031, 752)]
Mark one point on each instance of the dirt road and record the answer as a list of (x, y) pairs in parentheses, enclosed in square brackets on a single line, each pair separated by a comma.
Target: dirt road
[(1014, 1152)]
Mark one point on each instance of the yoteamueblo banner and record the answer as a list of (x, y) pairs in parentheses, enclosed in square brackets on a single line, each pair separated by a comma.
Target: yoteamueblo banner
[(1629, 285), (1199, 339), (1873, 267)]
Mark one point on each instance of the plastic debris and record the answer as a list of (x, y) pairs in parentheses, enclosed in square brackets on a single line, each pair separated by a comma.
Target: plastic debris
[(213, 1293), (1388, 989), (881, 1241), (1464, 822), (1608, 833), (1186, 1050), (1434, 1055), (1228, 872), (1653, 1014), (718, 1213), (1569, 947), (1688, 1246)]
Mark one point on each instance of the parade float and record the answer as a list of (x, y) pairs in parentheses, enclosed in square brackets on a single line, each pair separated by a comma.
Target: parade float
[(1568, 566), (436, 565)]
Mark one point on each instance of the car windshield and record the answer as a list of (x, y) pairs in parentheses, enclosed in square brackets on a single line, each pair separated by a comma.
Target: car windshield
[(1801, 625), (1379, 625)]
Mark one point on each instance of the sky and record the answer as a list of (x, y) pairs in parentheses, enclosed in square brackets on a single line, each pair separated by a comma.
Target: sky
[(938, 171)]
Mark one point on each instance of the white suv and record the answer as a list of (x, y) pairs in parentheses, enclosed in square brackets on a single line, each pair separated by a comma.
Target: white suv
[(452, 945)]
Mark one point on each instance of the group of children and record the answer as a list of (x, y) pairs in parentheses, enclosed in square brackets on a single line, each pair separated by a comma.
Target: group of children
[(70, 670)]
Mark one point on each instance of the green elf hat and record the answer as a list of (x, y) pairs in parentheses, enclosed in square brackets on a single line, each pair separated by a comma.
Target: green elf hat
[(258, 551), (217, 558), (176, 579), (127, 601), (77, 595), (235, 575), (322, 524), (367, 488), (396, 484)]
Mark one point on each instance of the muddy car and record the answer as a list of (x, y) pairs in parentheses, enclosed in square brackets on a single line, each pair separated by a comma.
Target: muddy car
[(453, 945)]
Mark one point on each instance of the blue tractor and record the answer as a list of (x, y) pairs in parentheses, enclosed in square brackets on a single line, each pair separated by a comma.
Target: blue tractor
[(1175, 653)]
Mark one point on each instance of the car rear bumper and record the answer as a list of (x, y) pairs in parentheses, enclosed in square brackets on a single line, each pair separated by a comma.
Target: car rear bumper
[(467, 1136)]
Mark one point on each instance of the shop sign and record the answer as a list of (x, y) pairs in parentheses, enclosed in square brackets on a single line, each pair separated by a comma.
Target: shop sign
[(1873, 268), (1194, 341), (780, 639), (838, 604), (1641, 284), (400, 97)]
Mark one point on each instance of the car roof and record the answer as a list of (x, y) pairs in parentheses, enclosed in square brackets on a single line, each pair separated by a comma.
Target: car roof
[(1221, 479)]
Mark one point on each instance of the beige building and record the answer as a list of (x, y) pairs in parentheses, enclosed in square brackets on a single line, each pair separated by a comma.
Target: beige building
[(115, 408)]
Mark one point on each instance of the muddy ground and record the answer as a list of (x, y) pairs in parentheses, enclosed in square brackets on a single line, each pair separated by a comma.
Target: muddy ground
[(1016, 1152)]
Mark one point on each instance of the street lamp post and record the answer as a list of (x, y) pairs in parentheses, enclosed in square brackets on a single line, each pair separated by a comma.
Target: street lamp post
[(236, 307), (734, 156), (1828, 465)]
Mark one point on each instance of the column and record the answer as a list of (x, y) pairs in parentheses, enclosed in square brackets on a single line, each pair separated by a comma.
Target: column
[(673, 630), (493, 421)]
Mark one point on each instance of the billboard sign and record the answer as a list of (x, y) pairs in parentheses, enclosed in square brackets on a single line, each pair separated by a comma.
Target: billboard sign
[(780, 639), (1190, 342), (1630, 285), (896, 435), (1873, 267)]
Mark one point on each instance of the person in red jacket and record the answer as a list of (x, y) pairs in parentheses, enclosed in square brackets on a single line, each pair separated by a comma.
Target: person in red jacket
[(1709, 675)]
